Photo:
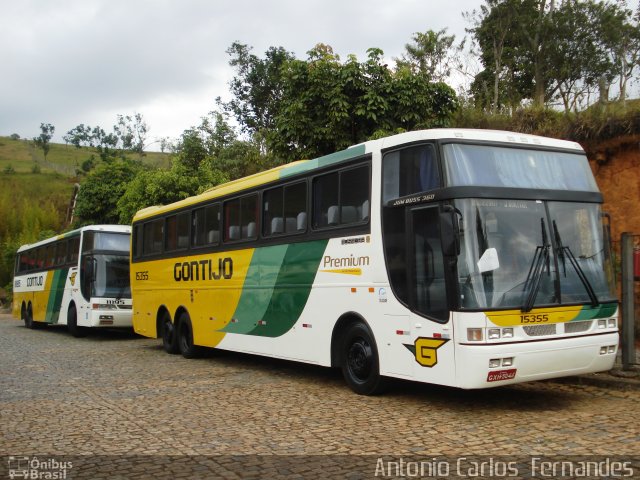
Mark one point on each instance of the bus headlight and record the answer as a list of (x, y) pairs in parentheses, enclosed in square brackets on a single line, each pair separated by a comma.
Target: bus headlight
[(494, 363), (103, 306), (493, 333), (507, 362), (507, 333), (474, 334), (602, 323), (612, 322)]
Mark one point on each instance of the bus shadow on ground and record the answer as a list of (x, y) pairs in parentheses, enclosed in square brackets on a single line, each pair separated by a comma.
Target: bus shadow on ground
[(525, 397), (92, 334)]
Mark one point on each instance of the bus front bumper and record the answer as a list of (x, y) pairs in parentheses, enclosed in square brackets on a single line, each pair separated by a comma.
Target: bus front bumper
[(486, 365), (111, 318)]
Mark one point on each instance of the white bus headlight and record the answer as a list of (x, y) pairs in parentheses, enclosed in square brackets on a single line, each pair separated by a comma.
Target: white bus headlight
[(494, 363), (507, 333), (613, 323), (103, 306), (493, 333), (602, 323), (507, 362)]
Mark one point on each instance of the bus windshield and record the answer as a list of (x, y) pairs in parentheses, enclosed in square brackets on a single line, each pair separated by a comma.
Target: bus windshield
[(517, 254), (493, 166), (112, 276)]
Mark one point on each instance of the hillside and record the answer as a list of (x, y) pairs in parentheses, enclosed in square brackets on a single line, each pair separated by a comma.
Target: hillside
[(34, 194)]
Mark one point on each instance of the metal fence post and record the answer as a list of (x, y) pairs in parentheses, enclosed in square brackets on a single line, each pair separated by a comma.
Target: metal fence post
[(628, 301)]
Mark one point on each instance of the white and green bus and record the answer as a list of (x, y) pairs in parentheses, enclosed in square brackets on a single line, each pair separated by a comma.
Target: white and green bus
[(79, 279), (466, 258)]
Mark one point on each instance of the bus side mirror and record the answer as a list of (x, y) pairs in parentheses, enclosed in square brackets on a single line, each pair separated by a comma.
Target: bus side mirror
[(449, 232)]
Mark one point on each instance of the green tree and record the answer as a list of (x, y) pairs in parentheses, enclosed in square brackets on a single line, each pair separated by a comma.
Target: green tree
[(100, 191), (328, 105), (542, 50), (429, 54), (128, 135), (42, 141), (160, 187), (256, 87)]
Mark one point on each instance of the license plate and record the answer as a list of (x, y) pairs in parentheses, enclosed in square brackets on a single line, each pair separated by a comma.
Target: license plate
[(499, 375)]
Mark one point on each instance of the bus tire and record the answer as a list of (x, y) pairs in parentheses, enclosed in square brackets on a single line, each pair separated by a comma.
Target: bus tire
[(28, 317), (169, 335), (72, 323), (360, 365), (185, 337)]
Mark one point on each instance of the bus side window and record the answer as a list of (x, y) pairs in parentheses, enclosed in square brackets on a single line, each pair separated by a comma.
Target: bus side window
[(285, 209), (137, 241), (50, 255), (341, 198), (408, 171), (74, 246), (61, 252), (153, 233)]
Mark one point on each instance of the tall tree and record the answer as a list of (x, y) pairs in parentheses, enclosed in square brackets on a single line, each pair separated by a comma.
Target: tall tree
[(328, 105), (256, 87), (429, 54), (42, 141)]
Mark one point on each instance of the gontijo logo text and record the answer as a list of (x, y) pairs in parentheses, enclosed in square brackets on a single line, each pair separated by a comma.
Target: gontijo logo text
[(203, 270)]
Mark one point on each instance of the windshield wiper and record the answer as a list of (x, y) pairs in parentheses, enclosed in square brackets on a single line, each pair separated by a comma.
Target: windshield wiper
[(565, 252), (540, 259)]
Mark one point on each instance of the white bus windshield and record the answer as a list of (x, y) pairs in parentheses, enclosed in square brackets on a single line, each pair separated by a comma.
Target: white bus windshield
[(502, 241), (492, 166)]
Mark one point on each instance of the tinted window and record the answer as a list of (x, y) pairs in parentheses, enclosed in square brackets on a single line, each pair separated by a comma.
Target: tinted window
[(50, 255), (428, 282), (241, 218), (61, 252), (285, 209), (74, 246), (152, 233), (341, 198), (408, 171), (177, 228), (137, 240), (205, 226)]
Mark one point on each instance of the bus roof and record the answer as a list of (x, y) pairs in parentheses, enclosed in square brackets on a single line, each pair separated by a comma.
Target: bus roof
[(94, 228), (355, 151)]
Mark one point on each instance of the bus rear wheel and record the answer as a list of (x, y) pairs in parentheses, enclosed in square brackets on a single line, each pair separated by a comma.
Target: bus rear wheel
[(360, 365), (185, 338), (169, 335), (27, 316)]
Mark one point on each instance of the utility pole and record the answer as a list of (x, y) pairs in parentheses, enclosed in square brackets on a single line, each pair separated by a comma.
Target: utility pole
[(628, 302)]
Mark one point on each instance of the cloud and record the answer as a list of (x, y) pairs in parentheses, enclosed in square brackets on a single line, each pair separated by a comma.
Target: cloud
[(84, 61)]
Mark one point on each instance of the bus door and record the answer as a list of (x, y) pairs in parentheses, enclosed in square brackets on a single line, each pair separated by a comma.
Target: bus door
[(431, 330)]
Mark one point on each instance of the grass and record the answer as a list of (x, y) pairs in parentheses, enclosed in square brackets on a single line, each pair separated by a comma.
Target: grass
[(22, 155)]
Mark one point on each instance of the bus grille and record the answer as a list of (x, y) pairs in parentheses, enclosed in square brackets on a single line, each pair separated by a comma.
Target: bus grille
[(540, 330), (576, 327)]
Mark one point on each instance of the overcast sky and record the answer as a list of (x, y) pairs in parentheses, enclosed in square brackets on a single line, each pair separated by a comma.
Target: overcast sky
[(85, 61)]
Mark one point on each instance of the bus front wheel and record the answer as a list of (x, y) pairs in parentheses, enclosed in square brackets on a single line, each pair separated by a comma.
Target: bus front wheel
[(169, 335), (360, 365), (185, 337), (72, 323)]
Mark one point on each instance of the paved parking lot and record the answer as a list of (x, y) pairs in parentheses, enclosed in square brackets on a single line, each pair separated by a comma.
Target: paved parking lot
[(119, 403)]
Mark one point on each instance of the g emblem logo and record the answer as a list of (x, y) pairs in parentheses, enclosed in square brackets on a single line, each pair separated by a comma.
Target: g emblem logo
[(426, 350)]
